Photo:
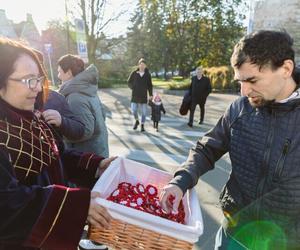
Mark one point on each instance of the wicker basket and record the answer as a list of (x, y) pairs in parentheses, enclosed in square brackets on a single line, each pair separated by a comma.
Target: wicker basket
[(130, 237), (133, 229)]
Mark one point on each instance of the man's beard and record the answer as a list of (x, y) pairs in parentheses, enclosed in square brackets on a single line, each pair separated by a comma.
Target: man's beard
[(260, 102)]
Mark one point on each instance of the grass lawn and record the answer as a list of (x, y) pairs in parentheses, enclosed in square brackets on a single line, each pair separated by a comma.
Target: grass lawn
[(171, 84)]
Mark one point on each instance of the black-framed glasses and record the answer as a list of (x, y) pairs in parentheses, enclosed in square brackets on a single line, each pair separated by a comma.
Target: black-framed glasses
[(31, 82)]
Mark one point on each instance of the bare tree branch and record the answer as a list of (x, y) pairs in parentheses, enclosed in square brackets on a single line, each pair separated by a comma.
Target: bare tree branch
[(94, 15)]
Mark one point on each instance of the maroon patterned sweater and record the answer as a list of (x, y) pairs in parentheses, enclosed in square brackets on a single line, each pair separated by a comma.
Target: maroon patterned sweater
[(37, 209)]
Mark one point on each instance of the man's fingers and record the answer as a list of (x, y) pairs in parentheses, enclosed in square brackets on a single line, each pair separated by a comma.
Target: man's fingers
[(176, 204), (168, 191), (163, 201)]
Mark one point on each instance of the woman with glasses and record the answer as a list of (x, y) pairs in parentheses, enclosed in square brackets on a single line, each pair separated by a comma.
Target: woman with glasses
[(37, 210)]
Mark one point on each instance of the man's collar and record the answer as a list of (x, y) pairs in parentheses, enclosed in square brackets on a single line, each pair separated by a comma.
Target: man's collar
[(294, 95)]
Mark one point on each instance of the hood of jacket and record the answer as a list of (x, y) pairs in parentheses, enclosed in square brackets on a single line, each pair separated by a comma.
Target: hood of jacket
[(86, 82)]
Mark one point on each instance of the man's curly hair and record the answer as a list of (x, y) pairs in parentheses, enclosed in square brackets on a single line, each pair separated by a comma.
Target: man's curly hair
[(264, 48)]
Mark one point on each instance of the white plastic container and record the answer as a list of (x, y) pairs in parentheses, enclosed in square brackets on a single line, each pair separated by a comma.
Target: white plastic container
[(124, 170)]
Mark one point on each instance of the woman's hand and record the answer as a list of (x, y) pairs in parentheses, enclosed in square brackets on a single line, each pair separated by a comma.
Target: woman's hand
[(105, 162), (52, 117), (98, 215)]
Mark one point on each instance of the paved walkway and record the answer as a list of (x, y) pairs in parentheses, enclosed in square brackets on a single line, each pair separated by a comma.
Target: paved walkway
[(169, 147)]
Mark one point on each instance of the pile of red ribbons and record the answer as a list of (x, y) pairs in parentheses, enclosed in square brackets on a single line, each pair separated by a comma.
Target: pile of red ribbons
[(144, 199)]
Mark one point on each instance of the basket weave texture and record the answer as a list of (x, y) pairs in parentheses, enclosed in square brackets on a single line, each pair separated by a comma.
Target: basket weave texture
[(126, 236), (132, 229)]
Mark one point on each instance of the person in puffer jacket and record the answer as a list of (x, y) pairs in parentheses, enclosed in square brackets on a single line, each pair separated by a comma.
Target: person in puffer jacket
[(260, 130), (80, 86)]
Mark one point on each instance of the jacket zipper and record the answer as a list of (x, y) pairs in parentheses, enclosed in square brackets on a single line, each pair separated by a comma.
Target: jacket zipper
[(280, 164), (265, 166)]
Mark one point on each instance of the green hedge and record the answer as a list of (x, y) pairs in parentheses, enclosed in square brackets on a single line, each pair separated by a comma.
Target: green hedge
[(177, 78), (112, 83), (221, 78), (182, 85)]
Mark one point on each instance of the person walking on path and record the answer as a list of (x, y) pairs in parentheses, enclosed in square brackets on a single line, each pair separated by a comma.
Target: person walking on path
[(199, 90), (80, 86), (260, 130), (156, 108), (140, 82)]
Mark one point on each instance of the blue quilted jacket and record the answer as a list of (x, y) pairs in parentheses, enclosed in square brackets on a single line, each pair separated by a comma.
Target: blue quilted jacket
[(264, 184)]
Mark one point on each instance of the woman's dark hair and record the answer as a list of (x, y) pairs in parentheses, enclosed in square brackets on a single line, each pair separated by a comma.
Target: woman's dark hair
[(10, 51), (263, 48), (71, 62)]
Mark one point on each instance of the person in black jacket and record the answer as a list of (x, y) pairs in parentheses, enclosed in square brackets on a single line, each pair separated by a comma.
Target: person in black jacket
[(260, 131), (199, 90), (140, 82)]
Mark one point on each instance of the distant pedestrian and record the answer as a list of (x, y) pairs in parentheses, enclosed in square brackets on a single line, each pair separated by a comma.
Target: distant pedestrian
[(140, 82), (156, 108), (199, 90)]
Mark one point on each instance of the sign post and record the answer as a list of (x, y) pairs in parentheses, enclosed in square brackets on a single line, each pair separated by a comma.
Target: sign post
[(81, 40), (49, 50)]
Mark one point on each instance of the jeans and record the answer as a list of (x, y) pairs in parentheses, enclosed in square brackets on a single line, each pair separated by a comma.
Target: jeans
[(223, 241), (134, 110)]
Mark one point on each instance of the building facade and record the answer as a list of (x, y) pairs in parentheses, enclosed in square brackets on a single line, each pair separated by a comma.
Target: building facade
[(277, 15), (25, 30)]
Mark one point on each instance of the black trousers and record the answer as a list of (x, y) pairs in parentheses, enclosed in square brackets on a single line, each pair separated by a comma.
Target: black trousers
[(192, 111)]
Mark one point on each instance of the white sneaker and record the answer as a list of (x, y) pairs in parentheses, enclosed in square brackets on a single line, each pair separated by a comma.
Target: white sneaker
[(91, 245)]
